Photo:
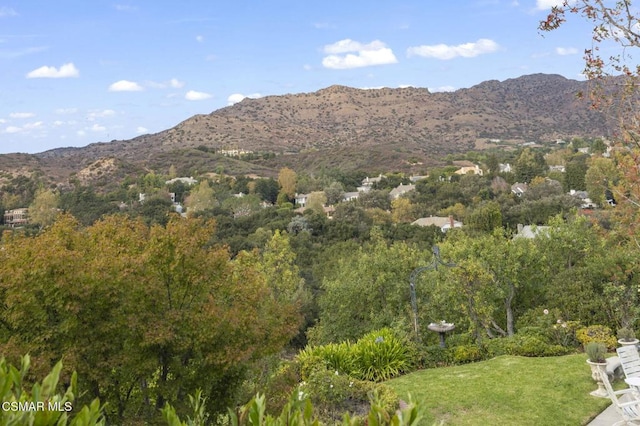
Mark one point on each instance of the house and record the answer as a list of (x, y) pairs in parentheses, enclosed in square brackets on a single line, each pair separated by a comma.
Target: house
[(185, 180), (519, 188), (400, 190), (444, 223), (585, 201), (504, 168), (350, 196), (301, 199), (531, 231), (415, 179), (560, 169), (328, 210), (466, 170), (16, 217), (367, 183)]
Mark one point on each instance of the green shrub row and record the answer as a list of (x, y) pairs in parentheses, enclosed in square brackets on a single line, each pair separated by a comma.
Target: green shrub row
[(377, 356)]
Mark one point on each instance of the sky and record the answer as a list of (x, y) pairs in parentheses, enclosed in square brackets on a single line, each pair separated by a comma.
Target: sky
[(75, 72)]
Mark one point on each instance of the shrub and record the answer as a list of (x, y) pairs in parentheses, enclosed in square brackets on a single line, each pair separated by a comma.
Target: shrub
[(435, 356), (13, 389), (547, 324), (466, 353), (301, 411), (596, 351), (334, 356), (380, 355), (597, 333), (282, 383), (524, 345), (333, 394), (377, 356)]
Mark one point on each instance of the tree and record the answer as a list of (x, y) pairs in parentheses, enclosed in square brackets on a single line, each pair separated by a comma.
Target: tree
[(485, 218), (316, 201), (614, 91), (600, 177), (287, 179), (267, 189), (44, 209), (365, 290), (85, 205), (575, 171), (334, 193), (529, 165), (145, 315), (202, 197), (402, 210)]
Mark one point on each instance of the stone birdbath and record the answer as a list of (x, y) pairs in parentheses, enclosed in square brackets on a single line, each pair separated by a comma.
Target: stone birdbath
[(441, 328)]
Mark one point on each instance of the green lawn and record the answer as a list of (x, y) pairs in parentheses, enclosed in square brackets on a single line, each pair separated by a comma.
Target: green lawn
[(506, 390)]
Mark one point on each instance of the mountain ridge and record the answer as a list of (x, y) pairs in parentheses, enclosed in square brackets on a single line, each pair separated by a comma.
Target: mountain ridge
[(405, 122)]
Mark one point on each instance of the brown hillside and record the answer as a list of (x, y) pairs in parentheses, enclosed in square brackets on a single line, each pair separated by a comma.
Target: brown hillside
[(337, 124)]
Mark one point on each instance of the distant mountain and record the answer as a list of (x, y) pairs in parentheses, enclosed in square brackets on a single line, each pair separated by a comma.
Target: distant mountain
[(346, 127)]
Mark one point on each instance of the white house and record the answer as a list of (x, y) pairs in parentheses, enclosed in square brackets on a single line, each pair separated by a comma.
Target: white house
[(444, 223), (475, 169), (400, 190)]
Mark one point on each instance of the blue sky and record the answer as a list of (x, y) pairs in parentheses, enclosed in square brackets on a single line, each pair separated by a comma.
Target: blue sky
[(83, 71)]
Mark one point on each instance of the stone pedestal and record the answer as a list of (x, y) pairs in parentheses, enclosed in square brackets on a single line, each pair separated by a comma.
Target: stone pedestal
[(598, 368)]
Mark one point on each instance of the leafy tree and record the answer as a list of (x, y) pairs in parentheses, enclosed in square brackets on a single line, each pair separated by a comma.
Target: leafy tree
[(85, 205), (485, 218), (529, 165), (375, 199), (201, 198), (145, 315), (44, 208), (575, 171), (287, 180), (267, 189), (368, 289), (600, 177), (402, 210), (493, 164), (316, 201), (334, 193), (155, 209)]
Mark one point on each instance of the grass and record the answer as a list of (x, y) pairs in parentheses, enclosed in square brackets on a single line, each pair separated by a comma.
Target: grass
[(506, 390)]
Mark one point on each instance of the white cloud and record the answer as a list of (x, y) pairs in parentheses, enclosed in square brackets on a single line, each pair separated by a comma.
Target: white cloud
[(192, 95), (563, 51), (442, 89), (199, 38), (142, 130), (92, 115), (445, 52), (347, 53), (97, 128), (175, 83), (7, 11), (65, 71), (66, 111), (22, 115), (125, 86), (307, 67), (58, 123), (12, 129), (34, 125), (547, 4), (237, 97), (81, 133)]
